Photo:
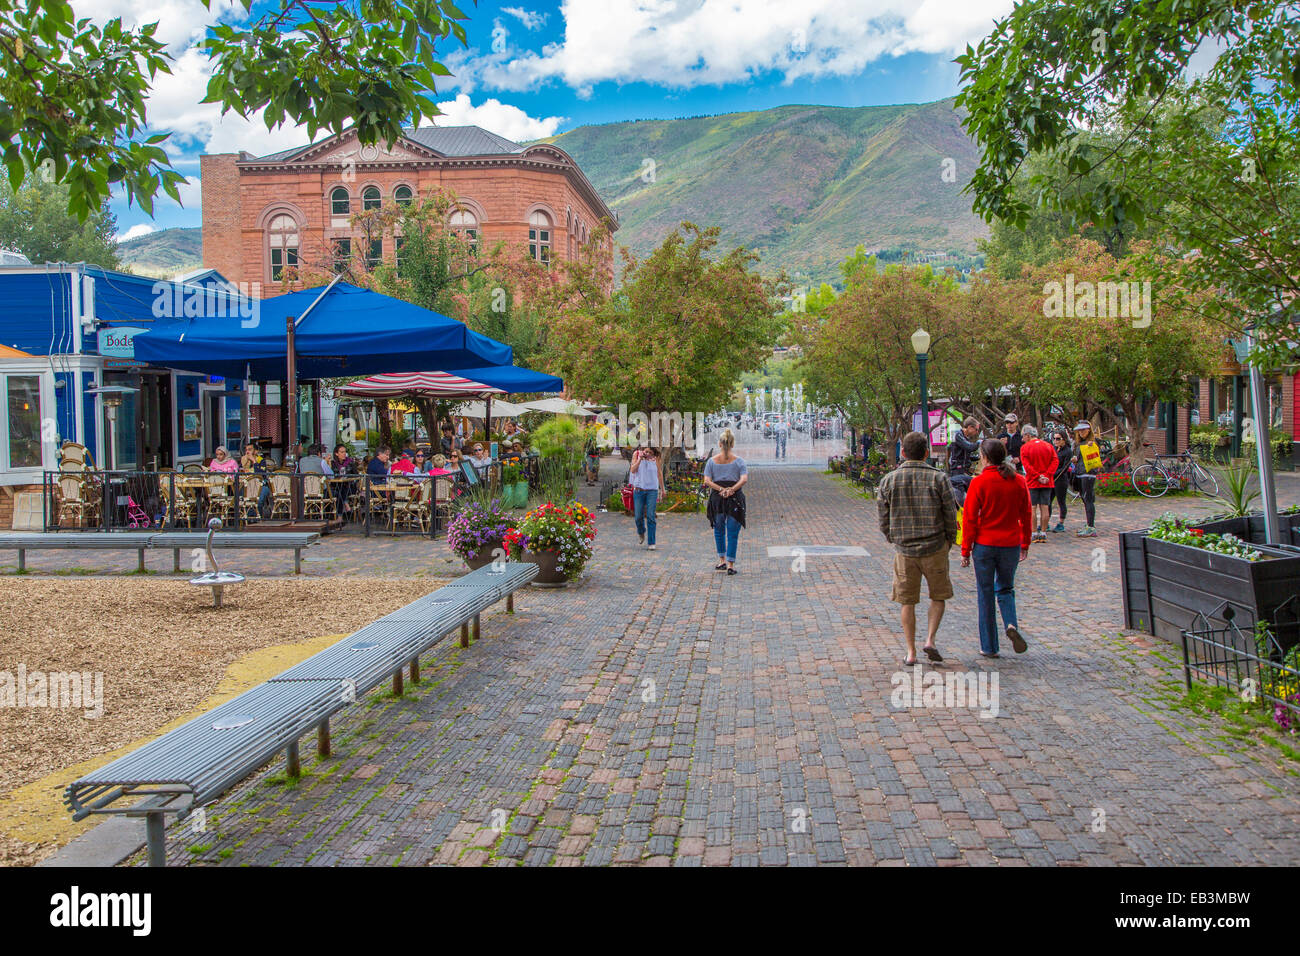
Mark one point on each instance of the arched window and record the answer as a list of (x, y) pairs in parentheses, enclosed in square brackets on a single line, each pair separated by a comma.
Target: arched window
[(340, 202), (466, 223), (539, 237), (282, 244), (370, 198), (403, 195)]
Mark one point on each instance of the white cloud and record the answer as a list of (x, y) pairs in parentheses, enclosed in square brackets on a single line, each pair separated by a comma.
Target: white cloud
[(529, 18), (497, 117), (685, 43), (135, 232)]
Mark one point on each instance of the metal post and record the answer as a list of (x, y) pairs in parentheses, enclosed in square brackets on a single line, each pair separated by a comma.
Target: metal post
[(1263, 450), (476, 627), (1238, 400), (323, 738), (921, 360), (397, 683), (292, 764), (155, 830), (464, 635), (510, 603), (415, 670)]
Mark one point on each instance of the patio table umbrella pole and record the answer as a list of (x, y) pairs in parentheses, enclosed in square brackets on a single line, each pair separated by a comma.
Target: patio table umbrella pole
[(487, 420), (291, 400)]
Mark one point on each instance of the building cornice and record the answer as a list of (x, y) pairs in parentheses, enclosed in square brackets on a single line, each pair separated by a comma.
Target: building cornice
[(557, 162)]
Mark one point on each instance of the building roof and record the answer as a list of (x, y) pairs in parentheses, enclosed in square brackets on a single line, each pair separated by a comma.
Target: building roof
[(447, 140)]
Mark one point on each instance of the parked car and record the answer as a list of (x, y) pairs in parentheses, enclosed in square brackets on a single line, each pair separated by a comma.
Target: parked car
[(770, 420)]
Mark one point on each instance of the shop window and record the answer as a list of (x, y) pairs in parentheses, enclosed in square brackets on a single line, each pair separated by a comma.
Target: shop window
[(23, 393)]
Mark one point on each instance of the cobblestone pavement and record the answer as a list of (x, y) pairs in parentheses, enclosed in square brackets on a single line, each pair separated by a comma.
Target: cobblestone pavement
[(659, 713)]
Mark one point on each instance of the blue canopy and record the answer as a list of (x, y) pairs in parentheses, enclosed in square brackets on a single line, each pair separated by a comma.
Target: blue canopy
[(350, 331)]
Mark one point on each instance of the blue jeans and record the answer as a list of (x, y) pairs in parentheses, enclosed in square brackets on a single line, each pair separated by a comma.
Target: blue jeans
[(726, 534), (995, 578), (644, 503), (780, 445)]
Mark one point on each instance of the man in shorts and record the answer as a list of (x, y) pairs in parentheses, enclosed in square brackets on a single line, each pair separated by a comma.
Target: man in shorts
[(918, 517), (1039, 459)]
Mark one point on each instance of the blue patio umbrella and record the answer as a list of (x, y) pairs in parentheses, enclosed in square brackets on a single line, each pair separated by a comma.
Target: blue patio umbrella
[(339, 330)]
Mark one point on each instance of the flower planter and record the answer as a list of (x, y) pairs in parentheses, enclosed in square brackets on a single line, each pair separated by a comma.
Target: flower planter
[(1166, 585), (547, 575), (486, 553)]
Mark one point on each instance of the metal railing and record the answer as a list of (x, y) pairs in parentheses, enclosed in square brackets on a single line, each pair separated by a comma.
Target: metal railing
[(94, 500), (1258, 665)]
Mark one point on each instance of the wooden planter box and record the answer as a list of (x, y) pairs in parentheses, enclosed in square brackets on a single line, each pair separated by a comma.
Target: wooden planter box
[(1166, 585)]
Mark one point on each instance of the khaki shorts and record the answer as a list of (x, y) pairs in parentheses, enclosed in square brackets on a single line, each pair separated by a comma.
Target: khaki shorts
[(909, 571)]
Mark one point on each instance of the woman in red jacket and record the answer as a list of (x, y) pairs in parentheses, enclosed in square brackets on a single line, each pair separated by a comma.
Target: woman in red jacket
[(996, 526)]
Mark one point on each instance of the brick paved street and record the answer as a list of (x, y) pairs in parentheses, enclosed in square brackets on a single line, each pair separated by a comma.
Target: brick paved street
[(659, 713)]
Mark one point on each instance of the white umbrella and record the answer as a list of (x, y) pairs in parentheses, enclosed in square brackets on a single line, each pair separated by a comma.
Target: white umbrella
[(557, 406), (500, 409)]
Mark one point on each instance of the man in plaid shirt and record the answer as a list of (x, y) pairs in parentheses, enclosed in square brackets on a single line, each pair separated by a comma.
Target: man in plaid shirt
[(918, 517)]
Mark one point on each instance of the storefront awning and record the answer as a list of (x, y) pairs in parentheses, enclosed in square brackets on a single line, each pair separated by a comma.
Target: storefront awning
[(348, 331)]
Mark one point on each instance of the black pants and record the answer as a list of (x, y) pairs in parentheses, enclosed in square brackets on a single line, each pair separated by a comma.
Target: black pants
[(1061, 493), (1088, 494)]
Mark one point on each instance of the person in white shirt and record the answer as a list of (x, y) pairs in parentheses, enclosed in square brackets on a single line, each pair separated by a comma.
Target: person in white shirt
[(647, 485)]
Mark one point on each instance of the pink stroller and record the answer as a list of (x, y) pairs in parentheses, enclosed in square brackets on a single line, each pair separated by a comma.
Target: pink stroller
[(137, 515)]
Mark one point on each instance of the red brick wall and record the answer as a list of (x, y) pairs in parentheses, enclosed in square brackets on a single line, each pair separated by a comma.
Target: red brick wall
[(236, 203), (221, 214)]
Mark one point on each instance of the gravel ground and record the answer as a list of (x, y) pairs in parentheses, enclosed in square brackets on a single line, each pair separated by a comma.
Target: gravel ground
[(161, 649)]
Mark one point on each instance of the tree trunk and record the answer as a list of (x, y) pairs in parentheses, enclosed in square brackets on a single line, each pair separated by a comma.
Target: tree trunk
[(1136, 417), (385, 423)]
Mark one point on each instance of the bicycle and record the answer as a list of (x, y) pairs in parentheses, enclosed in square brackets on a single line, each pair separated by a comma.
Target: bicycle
[(1167, 471)]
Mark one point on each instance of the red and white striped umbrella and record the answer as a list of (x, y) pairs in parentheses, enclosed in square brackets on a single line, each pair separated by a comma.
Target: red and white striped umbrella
[(432, 384)]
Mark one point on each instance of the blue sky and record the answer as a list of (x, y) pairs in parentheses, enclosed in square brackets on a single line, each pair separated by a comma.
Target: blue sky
[(536, 68)]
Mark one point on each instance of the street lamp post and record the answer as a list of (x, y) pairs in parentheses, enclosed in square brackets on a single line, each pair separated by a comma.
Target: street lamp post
[(921, 346)]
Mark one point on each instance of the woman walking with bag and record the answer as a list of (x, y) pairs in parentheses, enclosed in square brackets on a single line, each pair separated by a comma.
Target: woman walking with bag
[(997, 523), (1087, 465), (725, 475)]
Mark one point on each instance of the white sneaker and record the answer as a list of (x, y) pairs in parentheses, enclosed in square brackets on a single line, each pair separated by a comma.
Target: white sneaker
[(651, 548)]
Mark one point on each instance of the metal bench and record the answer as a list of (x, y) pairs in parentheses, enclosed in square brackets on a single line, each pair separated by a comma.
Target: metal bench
[(189, 540), (139, 541), (200, 760)]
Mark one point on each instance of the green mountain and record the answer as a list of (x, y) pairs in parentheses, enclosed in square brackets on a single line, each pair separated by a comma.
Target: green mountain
[(164, 253), (800, 185)]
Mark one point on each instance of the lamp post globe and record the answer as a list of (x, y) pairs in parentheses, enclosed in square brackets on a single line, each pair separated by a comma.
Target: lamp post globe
[(921, 346)]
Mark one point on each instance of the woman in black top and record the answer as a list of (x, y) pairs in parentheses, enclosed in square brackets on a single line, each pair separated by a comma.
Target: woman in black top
[(1064, 452)]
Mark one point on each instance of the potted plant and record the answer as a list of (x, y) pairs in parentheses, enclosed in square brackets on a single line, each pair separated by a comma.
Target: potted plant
[(1175, 570), (514, 484), (477, 531), (557, 539)]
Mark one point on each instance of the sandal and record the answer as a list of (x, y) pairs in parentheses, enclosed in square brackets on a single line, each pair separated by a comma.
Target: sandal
[(907, 663), (731, 571), (721, 567), (932, 653)]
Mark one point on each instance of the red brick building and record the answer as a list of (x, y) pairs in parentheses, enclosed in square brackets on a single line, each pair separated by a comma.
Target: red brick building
[(263, 214)]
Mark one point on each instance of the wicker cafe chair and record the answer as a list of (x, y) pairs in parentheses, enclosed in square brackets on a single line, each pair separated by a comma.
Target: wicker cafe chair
[(413, 509), (401, 501), (221, 501), (316, 499), (250, 493), (73, 507), (282, 494), (184, 511)]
